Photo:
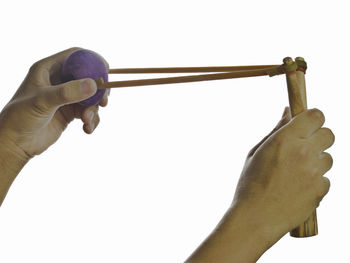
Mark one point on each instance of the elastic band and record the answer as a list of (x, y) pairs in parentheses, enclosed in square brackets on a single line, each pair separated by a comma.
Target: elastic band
[(301, 69), (276, 71), (301, 63), (302, 66)]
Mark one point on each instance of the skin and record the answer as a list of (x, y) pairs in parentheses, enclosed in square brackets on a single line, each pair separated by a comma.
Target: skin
[(39, 112), (282, 181)]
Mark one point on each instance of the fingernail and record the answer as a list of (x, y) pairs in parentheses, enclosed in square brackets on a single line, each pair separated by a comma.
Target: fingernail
[(91, 116), (88, 87), (92, 127)]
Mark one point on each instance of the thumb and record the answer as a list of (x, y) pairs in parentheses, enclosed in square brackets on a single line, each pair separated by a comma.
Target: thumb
[(286, 117), (69, 92)]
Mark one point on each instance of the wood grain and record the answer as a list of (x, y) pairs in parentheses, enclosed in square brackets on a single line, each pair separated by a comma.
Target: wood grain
[(297, 101)]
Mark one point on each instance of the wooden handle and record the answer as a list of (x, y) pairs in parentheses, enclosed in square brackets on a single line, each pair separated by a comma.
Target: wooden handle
[(297, 101)]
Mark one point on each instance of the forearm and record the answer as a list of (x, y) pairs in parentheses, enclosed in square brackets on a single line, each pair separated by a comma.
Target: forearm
[(241, 236), (11, 163)]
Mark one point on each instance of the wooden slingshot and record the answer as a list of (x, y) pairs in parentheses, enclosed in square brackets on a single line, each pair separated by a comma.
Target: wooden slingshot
[(295, 75)]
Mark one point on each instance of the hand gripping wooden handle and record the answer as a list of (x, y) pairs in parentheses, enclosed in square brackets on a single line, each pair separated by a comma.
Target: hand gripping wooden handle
[(297, 102)]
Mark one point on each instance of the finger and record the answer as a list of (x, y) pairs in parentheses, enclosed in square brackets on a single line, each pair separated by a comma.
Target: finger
[(326, 185), (104, 100), (323, 139), (66, 93), (323, 189), (96, 121), (286, 116), (44, 68), (88, 114), (306, 123), (325, 163), (71, 112), (89, 128)]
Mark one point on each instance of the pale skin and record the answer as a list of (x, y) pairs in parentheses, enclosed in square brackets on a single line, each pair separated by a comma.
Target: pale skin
[(39, 112), (282, 181)]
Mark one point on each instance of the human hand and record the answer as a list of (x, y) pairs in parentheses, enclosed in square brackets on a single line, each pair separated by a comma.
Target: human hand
[(281, 184), (43, 106), (282, 181)]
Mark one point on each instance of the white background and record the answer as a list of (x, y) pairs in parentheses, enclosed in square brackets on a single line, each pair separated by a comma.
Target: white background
[(161, 169)]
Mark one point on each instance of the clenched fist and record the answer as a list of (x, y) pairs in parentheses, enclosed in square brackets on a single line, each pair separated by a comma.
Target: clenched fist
[(283, 178), (282, 182)]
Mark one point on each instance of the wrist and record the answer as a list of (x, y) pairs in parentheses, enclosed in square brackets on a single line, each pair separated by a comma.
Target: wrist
[(252, 222), (12, 160), (251, 233), (241, 236)]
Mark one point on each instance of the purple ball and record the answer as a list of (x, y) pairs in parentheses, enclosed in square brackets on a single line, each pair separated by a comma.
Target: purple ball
[(82, 64)]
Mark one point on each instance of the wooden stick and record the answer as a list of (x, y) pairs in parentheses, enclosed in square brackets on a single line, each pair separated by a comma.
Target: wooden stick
[(187, 69), (204, 77), (298, 103)]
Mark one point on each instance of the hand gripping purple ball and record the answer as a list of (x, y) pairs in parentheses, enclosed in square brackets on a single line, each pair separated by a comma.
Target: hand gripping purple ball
[(82, 64)]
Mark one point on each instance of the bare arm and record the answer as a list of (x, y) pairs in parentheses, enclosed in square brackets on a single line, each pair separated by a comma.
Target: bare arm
[(11, 163), (281, 184), (39, 112), (241, 236)]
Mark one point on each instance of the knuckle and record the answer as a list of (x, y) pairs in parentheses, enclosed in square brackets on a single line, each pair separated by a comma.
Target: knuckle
[(329, 159), (317, 114), (327, 185), (36, 66), (330, 134), (75, 48), (250, 153), (72, 49), (304, 151), (323, 188), (64, 93)]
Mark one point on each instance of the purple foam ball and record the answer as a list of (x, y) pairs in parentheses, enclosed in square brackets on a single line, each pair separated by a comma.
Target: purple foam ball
[(82, 64)]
